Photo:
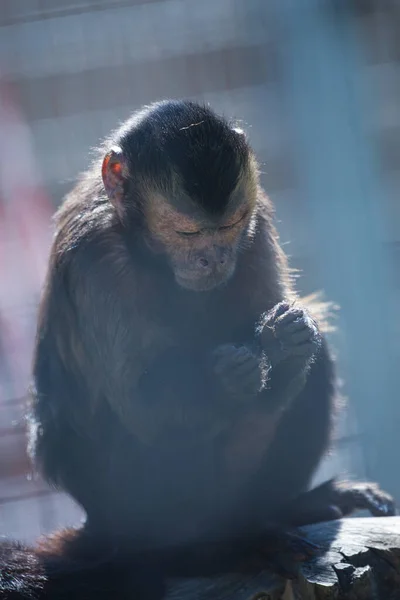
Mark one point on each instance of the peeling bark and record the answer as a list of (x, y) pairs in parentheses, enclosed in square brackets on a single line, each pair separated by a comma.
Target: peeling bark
[(360, 561)]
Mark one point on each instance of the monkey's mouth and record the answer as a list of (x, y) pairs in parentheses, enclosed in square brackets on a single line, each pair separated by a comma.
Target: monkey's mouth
[(198, 285), (203, 284)]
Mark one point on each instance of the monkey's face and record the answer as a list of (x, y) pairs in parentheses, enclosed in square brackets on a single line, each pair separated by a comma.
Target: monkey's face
[(192, 180), (201, 252)]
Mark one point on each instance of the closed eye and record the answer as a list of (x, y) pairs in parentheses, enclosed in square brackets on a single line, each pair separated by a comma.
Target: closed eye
[(187, 233), (224, 227)]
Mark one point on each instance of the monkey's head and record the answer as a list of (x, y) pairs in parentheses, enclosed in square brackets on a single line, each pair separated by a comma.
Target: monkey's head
[(186, 181)]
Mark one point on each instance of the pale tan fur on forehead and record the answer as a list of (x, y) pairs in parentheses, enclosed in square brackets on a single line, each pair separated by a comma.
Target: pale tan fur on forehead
[(246, 186), (161, 215), (252, 178), (164, 220)]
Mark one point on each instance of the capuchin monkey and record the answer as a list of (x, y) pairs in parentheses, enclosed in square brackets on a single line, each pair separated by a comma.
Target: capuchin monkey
[(182, 394)]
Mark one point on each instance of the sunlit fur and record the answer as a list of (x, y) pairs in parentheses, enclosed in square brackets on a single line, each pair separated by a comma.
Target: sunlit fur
[(128, 415), (201, 203)]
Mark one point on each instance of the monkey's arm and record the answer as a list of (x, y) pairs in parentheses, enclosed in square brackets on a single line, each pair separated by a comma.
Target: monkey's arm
[(96, 345)]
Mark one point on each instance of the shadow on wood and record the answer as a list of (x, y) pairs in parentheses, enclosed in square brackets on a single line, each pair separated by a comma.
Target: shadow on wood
[(360, 561)]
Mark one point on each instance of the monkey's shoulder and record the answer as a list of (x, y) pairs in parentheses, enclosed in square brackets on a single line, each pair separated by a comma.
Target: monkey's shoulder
[(82, 220), (88, 241)]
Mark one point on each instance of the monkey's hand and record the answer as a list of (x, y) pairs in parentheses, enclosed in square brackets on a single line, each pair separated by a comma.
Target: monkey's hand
[(242, 372), (288, 332), (290, 339)]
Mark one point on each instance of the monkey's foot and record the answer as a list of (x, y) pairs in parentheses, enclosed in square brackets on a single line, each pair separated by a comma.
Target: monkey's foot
[(350, 496), (241, 372), (283, 552), (332, 500)]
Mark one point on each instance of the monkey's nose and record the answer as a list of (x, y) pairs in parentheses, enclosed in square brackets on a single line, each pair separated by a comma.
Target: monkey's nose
[(221, 255), (202, 262)]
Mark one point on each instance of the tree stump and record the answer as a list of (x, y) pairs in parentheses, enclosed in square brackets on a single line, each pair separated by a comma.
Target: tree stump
[(360, 560)]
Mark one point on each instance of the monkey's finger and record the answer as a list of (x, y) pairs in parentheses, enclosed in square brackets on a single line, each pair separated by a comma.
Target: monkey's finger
[(279, 309), (275, 312), (242, 354), (297, 325), (289, 317), (244, 371), (233, 358), (380, 509), (223, 350), (304, 335), (247, 367), (377, 502), (305, 350), (231, 350)]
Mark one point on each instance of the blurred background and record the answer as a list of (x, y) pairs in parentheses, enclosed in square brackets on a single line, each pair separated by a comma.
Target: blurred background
[(315, 83)]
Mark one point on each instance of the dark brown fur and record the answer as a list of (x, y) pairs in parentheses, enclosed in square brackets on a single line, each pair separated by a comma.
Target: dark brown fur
[(128, 414)]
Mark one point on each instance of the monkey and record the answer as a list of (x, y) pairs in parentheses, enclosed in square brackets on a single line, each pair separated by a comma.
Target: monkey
[(181, 391)]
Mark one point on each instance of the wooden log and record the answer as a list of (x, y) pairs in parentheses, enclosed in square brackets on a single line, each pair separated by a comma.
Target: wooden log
[(360, 560)]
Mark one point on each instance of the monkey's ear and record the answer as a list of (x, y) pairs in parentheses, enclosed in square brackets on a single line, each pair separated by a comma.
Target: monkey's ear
[(113, 172)]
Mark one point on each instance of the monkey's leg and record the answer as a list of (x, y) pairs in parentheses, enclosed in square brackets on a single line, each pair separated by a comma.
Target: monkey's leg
[(280, 550), (299, 442), (286, 470), (89, 455), (314, 506)]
